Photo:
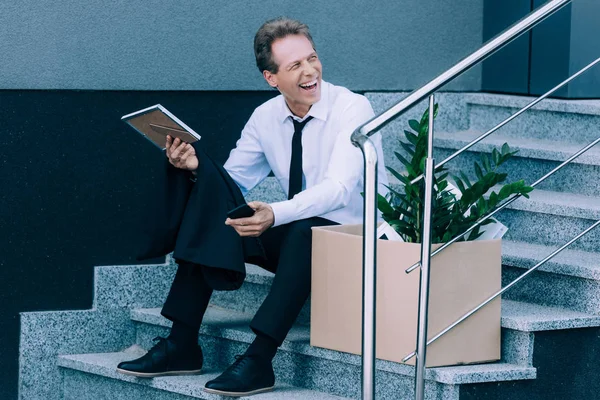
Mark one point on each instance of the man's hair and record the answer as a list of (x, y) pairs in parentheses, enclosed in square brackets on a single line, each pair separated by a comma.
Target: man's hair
[(269, 32)]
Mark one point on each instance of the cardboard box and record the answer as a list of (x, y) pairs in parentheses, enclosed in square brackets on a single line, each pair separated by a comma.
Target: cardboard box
[(461, 277)]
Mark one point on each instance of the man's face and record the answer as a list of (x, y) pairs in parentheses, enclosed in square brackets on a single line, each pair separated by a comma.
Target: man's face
[(299, 74)]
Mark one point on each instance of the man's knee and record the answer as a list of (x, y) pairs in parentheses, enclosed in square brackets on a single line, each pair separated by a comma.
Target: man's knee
[(301, 229)]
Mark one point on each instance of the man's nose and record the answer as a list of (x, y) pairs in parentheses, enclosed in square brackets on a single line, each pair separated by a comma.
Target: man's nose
[(309, 69)]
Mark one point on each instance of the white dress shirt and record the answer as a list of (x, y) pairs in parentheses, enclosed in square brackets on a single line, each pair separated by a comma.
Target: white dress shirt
[(332, 167)]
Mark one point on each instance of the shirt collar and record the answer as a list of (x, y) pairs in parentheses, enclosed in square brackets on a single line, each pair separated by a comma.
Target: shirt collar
[(319, 110)]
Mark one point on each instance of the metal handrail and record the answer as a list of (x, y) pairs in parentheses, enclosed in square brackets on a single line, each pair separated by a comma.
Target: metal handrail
[(509, 119), (425, 257), (506, 203), (492, 46), (360, 138), (507, 287)]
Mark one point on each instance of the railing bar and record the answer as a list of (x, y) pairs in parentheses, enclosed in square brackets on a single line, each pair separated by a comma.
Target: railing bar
[(509, 119), (503, 39), (503, 290), (425, 260), (509, 201), (369, 287)]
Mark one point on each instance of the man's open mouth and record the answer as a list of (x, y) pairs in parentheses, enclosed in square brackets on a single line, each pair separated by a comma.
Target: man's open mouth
[(309, 86)]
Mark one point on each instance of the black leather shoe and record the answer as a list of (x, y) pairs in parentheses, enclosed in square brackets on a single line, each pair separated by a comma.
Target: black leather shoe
[(248, 375), (165, 358)]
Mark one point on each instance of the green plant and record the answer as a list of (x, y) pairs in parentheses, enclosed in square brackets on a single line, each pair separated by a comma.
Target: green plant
[(452, 215)]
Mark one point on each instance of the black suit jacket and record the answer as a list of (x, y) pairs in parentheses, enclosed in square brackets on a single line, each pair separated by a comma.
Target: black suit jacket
[(188, 219)]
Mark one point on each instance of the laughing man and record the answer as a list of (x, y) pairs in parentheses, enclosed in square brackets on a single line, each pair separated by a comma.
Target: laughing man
[(303, 137)]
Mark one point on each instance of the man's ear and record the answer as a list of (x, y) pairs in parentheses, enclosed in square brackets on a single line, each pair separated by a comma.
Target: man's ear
[(271, 78)]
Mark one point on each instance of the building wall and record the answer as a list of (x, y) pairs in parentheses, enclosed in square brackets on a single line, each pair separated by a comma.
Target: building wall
[(207, 45), (554, 50), (75, 179), (585, 48)]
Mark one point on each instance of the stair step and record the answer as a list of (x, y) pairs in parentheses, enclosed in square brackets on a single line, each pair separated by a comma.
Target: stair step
[(234, 325), (549, 229), (549, 119), (529, 317), (575, 272), (552, 219), (559, 203), (569, 262), (132, 286), (585, 107), (572, 178), (528, 147), (570, 280), (104, 364), (452, 114)]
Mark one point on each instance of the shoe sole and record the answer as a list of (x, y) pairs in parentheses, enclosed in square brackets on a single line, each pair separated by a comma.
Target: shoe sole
[(158, 374), (238, 394)]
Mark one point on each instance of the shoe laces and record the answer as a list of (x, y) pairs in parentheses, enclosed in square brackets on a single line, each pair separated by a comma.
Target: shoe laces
[(159, 342), (240, 361)]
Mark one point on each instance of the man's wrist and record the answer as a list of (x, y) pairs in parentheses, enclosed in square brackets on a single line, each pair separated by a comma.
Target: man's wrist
[(283, 212), (272, 216)]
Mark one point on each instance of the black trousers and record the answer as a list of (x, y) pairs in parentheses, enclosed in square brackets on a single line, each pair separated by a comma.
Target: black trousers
[(288, 255)]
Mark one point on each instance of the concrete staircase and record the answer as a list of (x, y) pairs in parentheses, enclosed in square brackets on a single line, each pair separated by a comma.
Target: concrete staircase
[(550, 323)]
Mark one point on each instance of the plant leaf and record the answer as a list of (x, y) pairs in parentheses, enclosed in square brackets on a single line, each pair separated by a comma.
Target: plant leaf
[(403, 160), (398, 175), (414, 124), (409, 150), (383, 205), (478, 171), (411, 137)]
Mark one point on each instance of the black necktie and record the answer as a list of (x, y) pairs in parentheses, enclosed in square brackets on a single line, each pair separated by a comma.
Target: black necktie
[(296, 163)]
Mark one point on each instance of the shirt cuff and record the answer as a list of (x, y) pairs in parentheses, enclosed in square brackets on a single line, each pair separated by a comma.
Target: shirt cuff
[(284, 212)]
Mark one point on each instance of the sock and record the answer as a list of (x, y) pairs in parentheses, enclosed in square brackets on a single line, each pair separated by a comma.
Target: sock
[(263, 346), (183, 334)]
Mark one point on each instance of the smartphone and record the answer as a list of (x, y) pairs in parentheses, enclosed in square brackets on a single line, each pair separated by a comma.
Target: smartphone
[(243, 211)]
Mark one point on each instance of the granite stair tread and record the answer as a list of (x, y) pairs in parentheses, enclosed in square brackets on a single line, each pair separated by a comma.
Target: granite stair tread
[(104, 364), (234, 325), (559, 203), (528, 317), (590, 107), (571, 262), (528, 147)]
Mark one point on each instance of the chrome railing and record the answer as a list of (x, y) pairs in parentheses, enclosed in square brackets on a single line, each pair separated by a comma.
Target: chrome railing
[(360, 138)]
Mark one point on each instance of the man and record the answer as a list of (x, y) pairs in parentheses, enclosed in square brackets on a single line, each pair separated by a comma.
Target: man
[(303, 136)]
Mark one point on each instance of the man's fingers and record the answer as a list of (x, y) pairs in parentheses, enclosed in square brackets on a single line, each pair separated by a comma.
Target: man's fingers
[(187, 153), (177, 152), (248, 232)]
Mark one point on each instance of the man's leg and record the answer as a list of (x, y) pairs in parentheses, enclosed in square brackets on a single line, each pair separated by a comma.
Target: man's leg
[(291, 285), (185, 306), (289, 251)]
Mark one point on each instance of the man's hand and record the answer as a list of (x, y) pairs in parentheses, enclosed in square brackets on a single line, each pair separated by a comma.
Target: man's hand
[(181, 155), (255, 225)]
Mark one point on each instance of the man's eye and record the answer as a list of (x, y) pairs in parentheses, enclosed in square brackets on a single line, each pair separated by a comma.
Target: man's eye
[(313, 58), (295, 66)]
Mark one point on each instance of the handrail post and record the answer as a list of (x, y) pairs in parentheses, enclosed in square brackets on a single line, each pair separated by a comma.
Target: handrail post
[(369, 288), (425, 260)]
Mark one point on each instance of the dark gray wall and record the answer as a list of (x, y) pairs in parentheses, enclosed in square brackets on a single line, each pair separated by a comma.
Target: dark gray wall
[(207, 45), (75, 183), (507, 70), (554, 50), (585, 47), (551, 52)]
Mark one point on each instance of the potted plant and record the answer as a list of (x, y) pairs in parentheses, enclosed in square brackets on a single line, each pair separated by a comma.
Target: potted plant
[(461, 277), (453, 212)]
